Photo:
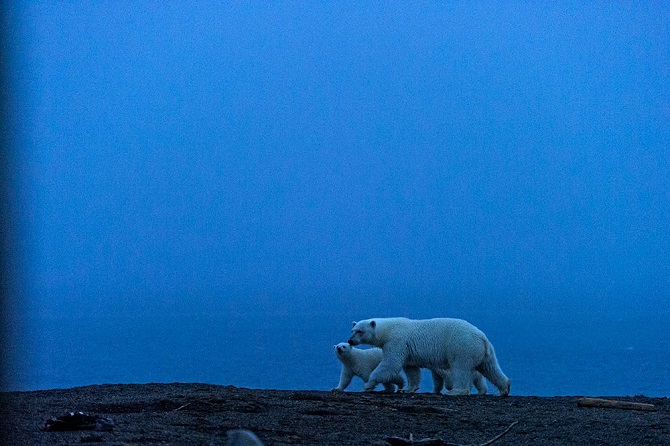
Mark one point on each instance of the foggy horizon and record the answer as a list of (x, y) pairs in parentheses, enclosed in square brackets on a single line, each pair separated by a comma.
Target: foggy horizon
[(448, 150), (178, 171)]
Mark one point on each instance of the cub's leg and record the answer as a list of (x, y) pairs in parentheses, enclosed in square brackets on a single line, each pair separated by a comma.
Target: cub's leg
[(345, 379)]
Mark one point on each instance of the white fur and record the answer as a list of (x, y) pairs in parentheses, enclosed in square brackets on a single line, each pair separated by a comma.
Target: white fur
[(441, 379), (436, 344), (361, 363)]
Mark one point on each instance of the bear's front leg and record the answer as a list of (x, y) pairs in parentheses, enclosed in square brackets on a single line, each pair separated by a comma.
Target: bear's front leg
[(413, 379), (399, 381), (387, 370), (438, 381), (389, 388), (345, 380), (369, 386)]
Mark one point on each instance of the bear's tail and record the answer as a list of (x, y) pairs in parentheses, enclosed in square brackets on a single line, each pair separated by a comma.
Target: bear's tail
[(492, 371)]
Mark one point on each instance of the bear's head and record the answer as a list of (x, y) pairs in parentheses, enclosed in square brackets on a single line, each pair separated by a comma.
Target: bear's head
[(363, 332), (342, 349)]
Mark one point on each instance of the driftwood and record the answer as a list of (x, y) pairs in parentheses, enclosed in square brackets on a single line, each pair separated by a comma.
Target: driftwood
[(182, 407), (614, 404), (397, 441)]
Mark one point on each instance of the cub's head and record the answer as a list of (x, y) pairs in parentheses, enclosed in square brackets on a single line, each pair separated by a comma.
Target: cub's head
[(342, 349), (363, 332)]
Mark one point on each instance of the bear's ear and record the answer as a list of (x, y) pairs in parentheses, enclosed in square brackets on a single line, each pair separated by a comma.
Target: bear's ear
[(373, 324), (353, 324)]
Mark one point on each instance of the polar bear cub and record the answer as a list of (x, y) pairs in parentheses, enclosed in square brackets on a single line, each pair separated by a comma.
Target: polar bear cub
[(442, 343), (361, 363)]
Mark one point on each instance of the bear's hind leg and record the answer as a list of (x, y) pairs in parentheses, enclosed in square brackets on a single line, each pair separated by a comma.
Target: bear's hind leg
[(492, 371), (479, 383), (462, 380)]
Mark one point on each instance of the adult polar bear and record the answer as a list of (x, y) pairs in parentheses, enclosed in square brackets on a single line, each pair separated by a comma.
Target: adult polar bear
[(441, 343)]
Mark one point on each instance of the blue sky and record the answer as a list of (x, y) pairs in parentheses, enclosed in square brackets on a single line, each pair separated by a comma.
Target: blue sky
[(173, 154)]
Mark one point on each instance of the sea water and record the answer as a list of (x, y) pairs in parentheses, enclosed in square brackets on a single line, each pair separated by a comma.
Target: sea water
[(543, 354)]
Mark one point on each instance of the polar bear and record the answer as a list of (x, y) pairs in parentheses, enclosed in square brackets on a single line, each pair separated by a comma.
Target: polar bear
[(441, 343), (358, 362), (441, 379)]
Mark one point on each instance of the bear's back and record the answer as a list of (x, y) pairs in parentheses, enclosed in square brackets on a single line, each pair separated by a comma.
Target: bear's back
[(368, 354)]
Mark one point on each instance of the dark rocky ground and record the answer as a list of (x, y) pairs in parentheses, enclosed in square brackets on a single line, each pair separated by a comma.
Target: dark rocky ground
[(201, 414)]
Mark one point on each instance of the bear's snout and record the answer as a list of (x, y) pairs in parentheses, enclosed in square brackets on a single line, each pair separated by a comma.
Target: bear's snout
[(350, 342)]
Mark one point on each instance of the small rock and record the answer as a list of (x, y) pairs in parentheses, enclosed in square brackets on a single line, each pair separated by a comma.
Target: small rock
[(241, 437), (79, 421)]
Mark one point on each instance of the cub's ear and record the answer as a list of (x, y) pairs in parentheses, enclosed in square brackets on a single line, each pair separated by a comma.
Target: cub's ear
[(353, 324), (373, 324)]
